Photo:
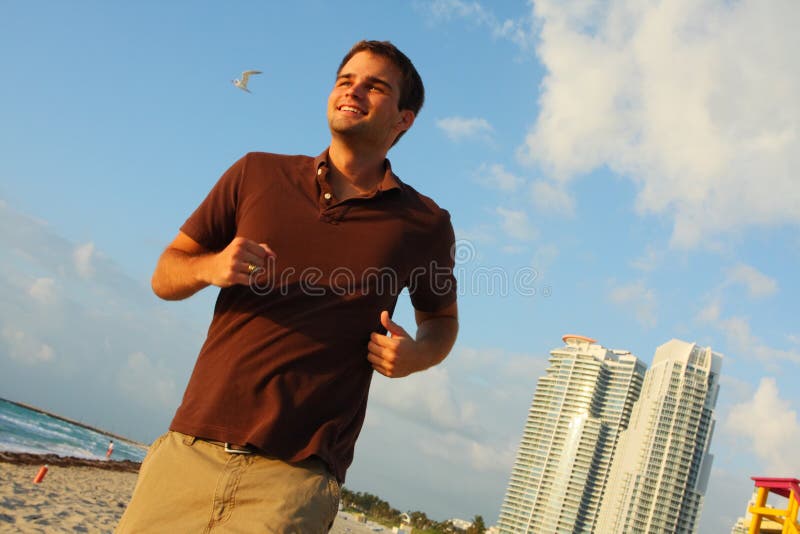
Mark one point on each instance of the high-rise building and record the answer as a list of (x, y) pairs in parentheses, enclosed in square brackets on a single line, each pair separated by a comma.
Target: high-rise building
[(578, 410), (660, 472)]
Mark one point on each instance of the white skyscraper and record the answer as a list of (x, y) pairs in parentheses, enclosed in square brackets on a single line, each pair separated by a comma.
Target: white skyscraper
[(661, 468), (567, 446)]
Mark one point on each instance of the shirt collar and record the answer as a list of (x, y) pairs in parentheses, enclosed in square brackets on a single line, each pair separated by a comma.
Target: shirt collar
[(390, 179)]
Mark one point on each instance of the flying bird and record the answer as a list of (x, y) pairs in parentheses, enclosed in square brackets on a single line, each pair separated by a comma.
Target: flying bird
[(242, 84)]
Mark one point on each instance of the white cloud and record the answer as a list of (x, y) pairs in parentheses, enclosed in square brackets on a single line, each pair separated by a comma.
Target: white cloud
[(649, 261), (147, 383), (426, 397), (480, 234), (516, 224), (449, 8), (757, 283), (523, 368), (460, 394), (742, 341), (82, 257), (772, 428), (457, 449), (696, 102), (473, 244), (513, 30), (456, 411), (710, 313), (640, 298), (55, 323), (459, 128), (497, 177), (748, 345), (43, 290), (24, 348), (552, 197), (502, 409)]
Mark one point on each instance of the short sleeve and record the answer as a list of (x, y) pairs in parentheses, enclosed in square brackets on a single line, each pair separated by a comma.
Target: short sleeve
[(432, 285), (213, 224)]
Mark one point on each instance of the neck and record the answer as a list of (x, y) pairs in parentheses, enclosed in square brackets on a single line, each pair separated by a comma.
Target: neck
[(357, 169)]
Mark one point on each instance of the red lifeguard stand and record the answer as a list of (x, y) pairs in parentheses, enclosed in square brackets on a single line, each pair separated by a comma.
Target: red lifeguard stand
[(785, 487)]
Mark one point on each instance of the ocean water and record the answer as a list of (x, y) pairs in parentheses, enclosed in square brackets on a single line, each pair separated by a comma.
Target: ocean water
[(25, 430)]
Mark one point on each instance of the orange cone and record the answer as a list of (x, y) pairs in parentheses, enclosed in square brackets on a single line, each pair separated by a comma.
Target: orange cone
[(40, 475)]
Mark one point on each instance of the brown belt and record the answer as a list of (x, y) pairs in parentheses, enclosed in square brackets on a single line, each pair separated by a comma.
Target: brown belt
[(231, 448)]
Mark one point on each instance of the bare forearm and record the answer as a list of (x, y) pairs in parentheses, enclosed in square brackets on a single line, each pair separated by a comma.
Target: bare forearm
[(179, 274), (436, 337), (186, 267)]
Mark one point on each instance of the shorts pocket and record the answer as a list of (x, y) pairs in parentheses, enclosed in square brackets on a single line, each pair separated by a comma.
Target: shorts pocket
[(153, 448), (334, 493)]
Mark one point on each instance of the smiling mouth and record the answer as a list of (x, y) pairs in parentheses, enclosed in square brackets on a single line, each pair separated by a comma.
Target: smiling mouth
[(352, 109)]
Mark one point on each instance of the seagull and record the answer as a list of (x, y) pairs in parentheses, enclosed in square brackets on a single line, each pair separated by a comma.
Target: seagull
[(242, 84)]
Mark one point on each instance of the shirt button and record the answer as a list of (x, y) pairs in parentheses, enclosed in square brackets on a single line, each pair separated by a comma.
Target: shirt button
[(327, 196)]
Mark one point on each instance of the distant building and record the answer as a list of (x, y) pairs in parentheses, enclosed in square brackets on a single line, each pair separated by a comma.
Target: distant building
[(578, 410), (768, 526), (659, 474), (461, 523), (742, 525)]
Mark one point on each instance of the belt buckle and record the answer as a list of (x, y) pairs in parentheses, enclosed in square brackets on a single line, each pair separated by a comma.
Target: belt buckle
[(231, 450)]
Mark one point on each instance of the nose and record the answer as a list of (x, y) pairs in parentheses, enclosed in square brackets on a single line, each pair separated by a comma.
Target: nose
[(356, 89)]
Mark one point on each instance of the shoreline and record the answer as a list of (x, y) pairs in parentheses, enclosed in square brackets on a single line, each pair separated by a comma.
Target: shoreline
[(54, 460), (76, 423)]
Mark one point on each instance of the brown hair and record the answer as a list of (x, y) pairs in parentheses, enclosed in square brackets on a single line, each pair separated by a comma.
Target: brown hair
[(412, 92)]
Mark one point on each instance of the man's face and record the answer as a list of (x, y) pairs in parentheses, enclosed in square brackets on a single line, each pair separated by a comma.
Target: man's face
[(364, 103)]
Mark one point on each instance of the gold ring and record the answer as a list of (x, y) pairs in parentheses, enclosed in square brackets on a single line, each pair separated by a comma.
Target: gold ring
[(250, 268)]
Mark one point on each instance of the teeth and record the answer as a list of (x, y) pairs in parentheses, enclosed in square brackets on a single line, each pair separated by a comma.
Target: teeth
[(350, 109)]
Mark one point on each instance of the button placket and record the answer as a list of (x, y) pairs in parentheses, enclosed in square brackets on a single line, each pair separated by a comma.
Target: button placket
[(327, 195)]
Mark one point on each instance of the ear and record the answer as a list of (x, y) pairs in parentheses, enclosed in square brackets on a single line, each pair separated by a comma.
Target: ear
[(406, 120)]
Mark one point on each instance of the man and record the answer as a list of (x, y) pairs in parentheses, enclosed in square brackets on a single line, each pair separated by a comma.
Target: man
[(310, 255)]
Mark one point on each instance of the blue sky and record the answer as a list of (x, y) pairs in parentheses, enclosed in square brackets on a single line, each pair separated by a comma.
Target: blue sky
[(631, 165)]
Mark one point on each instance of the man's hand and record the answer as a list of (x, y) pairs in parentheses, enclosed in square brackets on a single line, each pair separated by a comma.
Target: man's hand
[(186, 267), (399, 354), (237, 262), (396, 355)]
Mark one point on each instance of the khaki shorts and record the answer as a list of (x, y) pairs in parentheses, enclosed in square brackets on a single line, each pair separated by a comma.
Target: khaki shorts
[(190, 485)]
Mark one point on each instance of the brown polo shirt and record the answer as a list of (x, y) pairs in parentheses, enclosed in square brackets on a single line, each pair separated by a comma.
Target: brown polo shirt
[(284, 367)]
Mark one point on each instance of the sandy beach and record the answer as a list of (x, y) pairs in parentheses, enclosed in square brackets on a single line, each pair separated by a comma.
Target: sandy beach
[(81, 495), (73, 497)]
